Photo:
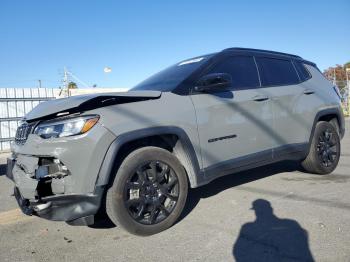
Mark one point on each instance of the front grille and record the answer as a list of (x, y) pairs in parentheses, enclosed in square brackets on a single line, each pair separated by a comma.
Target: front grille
[(23, 132)]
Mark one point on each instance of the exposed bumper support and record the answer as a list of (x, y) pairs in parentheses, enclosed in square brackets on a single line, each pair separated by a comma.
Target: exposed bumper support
[(74, 209)]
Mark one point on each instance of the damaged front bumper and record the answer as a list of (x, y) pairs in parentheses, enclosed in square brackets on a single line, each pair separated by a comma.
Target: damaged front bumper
[(75, 209), (56, 178)]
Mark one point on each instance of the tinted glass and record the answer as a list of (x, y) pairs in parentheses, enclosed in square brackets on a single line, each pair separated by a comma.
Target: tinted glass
[(242, 70), (275, 72), (171, 77), (302, 71)]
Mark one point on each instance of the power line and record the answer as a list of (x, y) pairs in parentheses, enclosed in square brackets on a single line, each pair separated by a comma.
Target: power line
[(76, 78)]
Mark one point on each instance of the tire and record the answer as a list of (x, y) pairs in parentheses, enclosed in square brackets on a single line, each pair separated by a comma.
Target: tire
[(148, 193), (324, 151)]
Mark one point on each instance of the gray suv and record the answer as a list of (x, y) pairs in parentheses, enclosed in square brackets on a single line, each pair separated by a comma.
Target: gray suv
[(135, 154)]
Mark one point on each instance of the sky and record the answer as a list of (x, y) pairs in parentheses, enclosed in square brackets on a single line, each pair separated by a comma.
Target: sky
[(138, 38)]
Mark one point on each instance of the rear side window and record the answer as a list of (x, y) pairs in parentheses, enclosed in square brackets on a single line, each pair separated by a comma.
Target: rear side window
[(302, 71), (274, 72), (242, 70)]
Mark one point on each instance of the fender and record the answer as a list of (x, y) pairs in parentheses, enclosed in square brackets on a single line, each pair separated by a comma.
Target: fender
[(186, 152), (329, 111)]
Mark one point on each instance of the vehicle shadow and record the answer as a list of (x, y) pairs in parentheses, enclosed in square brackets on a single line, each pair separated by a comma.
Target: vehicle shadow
[(102, 221), (3, 170), (270, 238), (233, 180), (196, 194)]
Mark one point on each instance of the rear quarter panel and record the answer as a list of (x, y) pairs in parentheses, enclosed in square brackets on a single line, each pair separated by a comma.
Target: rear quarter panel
[(324, 98)]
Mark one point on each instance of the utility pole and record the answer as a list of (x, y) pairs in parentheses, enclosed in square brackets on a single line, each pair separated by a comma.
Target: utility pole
[(39, 83), (65, 81), (67, 76), (334, 77), (347, 70)]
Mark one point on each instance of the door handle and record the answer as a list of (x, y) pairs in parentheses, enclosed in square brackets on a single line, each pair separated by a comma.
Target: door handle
[(260, 98), (309, 92)]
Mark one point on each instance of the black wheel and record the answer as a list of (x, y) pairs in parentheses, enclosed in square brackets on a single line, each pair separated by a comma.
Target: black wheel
[(149, 192), (324, 152)]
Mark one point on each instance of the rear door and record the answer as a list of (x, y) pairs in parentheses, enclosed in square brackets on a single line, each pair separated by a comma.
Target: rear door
[(236, 124), (280, 79)]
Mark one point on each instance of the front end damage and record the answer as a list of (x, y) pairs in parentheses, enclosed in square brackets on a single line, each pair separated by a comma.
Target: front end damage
[(56, 178), (58, 154), (44, 186)]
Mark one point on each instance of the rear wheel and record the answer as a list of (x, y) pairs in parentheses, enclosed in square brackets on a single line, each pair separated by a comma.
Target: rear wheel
[(149, 192), (324, 151)]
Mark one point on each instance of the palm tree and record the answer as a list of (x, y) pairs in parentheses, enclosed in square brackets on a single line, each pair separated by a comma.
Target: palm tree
[(72, 85)]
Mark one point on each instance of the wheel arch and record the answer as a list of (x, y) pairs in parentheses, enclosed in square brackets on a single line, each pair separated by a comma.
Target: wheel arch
[(172, 138), (329, 115)]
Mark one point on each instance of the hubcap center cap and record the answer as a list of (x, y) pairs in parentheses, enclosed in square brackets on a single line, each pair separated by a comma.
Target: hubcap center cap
[(151, 191)]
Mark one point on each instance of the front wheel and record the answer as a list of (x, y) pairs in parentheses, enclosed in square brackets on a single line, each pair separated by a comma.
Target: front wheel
[(149, 192), (324, 151)]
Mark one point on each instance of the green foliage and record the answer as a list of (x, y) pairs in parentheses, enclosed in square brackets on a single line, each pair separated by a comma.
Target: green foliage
[(72, 85), (339, 73), (347, 65)]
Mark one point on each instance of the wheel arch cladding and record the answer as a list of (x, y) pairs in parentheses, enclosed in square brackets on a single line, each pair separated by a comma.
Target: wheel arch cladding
[(327, 115), (333, 119), (330, 115), (174, 139)]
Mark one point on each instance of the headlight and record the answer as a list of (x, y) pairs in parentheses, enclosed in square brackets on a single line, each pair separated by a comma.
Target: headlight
[(66, 127)]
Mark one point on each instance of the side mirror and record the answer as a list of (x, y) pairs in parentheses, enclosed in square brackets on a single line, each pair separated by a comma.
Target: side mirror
[(215, 82)]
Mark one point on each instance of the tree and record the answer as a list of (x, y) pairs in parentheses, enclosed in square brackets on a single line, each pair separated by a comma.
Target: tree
[(72, 85), (339, 72)]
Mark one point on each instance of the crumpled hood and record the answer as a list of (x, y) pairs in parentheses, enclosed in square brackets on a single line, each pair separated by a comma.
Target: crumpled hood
[(81, 103)]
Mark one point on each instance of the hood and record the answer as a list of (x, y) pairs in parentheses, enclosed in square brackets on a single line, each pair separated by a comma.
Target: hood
[(80, 103)]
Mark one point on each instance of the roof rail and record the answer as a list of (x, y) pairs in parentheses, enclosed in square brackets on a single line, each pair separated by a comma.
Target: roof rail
[(259, 50)]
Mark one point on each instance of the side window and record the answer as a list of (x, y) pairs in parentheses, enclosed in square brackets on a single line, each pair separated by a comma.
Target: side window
[(302, 71), (274, 72), (242, 70)]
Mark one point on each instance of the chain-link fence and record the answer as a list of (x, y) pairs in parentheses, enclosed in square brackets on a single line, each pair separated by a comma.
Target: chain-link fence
[(344, 92)]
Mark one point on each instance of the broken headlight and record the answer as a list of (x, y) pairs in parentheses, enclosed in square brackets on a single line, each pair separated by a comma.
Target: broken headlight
[(66, 127)]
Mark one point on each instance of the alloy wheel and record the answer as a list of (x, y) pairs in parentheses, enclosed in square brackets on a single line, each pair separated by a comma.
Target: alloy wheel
[(151, 192), (327, 148)]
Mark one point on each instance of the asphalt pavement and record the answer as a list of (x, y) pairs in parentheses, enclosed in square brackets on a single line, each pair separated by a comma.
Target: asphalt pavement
[(271, 213)]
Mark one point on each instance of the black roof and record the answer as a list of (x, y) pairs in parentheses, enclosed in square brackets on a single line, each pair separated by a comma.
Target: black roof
[(252, 50)]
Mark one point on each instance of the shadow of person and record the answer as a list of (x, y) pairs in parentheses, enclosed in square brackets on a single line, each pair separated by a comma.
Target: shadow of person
[(270, 238)]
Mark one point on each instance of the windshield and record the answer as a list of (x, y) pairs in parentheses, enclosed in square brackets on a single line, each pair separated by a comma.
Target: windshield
[(169, 78)]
